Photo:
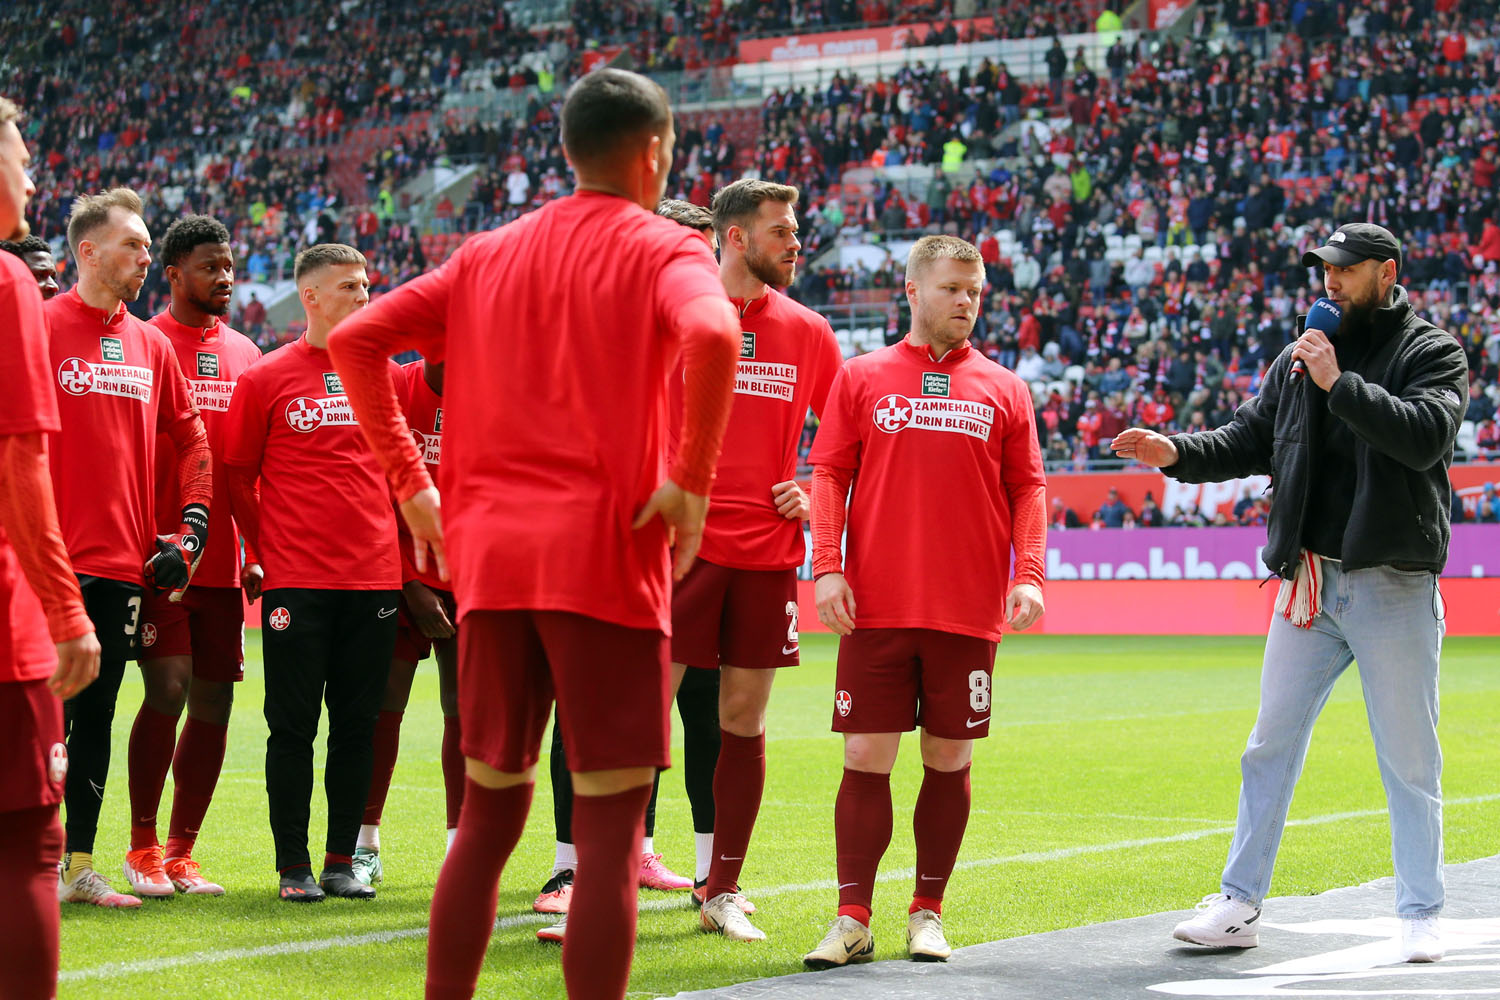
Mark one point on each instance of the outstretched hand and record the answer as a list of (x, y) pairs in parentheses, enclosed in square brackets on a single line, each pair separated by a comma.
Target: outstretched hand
[(1146, 447)]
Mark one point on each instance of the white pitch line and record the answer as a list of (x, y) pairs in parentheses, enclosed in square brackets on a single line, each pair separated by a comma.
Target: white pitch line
[(113, 970)]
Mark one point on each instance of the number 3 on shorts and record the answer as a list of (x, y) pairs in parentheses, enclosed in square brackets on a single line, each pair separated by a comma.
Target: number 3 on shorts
[(134, 604), (979, 691)]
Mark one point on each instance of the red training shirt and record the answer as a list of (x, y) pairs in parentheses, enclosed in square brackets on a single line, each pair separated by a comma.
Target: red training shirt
[(27, 406), (118, 387), (788, 358), (424, 415), (559, 331), (326, 521), (211, 359), (938, 449)]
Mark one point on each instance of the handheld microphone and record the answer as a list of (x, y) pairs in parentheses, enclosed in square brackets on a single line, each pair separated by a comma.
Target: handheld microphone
[(1325, 315)]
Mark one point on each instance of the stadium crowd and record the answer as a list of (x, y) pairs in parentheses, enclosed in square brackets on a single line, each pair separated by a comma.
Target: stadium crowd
[(1137, 266)]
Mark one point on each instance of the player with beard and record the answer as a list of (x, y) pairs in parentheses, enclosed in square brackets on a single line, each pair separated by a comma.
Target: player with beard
[(1359, 447), (192, 641), (48, 650), (119, 388), (939, 446), (37, 256)]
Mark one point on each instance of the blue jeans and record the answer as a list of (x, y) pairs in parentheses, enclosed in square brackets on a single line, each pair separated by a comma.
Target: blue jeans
[(1390, 621)]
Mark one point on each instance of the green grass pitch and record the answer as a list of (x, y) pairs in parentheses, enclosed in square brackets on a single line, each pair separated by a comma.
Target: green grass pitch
[(1106, 790)]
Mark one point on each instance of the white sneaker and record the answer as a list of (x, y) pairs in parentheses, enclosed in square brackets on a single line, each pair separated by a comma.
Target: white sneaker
[(1421, 939), (722, 915), (554, 932), (88, 886), (924, 937), (1222, 922), (847, 941)]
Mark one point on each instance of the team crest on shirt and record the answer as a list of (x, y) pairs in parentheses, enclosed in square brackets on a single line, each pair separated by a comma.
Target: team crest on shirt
[(57, 763), (78, 377), (305, 414), (208, 365), (280, 619), (844, 703), (111, 349), (934, 384), (895, 413), (747, 344), (148, 633), (332, 384)]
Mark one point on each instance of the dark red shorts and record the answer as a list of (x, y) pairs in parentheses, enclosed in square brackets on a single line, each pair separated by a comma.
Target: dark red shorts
[(611, 683), (33, 759), (208, 624), (735, 617), (892, 680), (411, 645)]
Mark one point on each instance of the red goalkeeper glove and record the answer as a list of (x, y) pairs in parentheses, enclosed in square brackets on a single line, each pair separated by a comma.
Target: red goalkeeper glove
[(177, 555)]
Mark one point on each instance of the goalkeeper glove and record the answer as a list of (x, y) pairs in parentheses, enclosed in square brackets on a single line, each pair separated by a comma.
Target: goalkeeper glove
[(177, 555)]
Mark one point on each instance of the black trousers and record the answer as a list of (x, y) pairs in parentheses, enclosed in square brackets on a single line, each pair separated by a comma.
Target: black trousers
[(114, 607), (333, 647)]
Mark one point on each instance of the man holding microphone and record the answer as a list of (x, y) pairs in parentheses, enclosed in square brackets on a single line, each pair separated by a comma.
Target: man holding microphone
[(1359, 448)]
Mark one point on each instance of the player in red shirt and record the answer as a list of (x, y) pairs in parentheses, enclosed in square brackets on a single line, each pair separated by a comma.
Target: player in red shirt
[(37, 256), (940, 445), (697, 706), (192, 642), (736, 610), (118, 388), (47, 646), (425, 624), (561, 331), (329, 609)]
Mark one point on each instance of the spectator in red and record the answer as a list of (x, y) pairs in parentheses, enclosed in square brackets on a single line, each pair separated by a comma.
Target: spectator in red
[(1063, 516), (1484, 168), (1489, 241), (1455, 47)]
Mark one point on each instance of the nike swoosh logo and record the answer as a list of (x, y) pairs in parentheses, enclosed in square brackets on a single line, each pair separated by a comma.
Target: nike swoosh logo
[(98, 789), (723, 858), (845, 885), (931, 878), (385, 612), (972, 723), (848, 948), (788, 650)]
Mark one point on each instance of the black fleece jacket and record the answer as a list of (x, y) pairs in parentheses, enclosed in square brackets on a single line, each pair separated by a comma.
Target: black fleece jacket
[(1403, 399)]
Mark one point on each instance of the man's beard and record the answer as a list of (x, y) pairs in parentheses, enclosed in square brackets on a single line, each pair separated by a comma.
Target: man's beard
[(1358, 316), (762, 268), (208, 308), (121, 288)]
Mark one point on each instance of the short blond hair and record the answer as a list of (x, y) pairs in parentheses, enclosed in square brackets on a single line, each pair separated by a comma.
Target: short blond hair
[(935, 248), (91, 211), (323, 255), (9, 112)]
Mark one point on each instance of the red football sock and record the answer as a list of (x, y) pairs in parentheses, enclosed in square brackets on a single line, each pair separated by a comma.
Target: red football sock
[(861, 833), (739, 781), (468, 887), (453, 769), (149, 758), (607, 831), (387, 745), (939, 819), (329, 860), (31, 841), (195, 773)]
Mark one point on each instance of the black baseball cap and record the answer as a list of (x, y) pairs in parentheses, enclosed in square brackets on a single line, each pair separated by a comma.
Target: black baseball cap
[(1354, 242)]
